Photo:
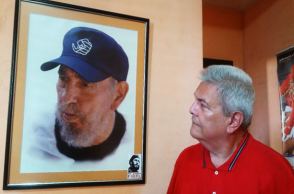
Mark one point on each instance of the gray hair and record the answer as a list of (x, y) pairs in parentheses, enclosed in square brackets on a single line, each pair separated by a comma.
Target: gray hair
[(113, 83), (236, 92)]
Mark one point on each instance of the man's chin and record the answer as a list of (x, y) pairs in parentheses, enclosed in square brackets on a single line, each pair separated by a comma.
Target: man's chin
[(195, 133), (75, 125), (136, 168)]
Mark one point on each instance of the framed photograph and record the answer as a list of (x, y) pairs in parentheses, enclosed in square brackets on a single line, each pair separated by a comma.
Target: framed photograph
[(77, 110)]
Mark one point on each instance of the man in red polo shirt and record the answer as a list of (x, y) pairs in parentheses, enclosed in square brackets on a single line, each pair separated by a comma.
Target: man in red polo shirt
[(227, 159)]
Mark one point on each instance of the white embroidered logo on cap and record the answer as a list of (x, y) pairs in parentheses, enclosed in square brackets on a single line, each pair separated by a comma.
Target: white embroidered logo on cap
[(83, 46)]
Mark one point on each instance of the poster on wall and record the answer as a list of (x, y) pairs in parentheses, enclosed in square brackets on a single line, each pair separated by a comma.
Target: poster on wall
[(77, 110), (285, 70)]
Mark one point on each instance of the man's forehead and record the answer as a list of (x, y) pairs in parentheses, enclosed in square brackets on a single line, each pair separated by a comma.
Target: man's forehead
[(206, 92), (205, 88), (63, 70)]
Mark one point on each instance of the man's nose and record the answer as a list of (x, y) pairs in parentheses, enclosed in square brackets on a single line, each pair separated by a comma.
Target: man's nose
[(70, 94), (194, 108)]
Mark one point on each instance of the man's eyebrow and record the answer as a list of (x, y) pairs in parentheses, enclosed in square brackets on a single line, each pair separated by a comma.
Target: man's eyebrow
[(201, 99), (61, 71)]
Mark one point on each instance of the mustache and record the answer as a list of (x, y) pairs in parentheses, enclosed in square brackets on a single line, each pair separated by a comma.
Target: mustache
[(71, 109)]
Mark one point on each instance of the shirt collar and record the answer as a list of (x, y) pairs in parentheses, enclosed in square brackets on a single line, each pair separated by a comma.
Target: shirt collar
[(228, 165)]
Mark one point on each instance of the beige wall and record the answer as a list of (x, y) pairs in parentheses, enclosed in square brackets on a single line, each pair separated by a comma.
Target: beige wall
[(175, 57), (223, 35), (268, 29)]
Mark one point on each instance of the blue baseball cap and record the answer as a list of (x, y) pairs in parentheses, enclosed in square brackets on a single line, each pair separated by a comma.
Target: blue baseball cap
[(93, 54)]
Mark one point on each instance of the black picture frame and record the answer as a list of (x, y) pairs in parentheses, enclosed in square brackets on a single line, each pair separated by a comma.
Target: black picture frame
[(207, 62), (19, 173)]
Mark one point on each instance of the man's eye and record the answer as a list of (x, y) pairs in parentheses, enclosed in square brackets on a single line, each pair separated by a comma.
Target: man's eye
[(203, 105), (87, 84), (63, 78)]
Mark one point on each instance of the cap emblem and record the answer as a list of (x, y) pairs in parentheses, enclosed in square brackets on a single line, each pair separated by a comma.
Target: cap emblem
[(83, 46)]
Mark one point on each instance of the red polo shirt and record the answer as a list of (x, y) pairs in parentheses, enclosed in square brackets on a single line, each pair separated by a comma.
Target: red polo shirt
[(253, 168)]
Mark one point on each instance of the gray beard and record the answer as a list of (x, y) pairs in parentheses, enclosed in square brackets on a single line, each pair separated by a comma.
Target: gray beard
[(136, 167), (91, 128)]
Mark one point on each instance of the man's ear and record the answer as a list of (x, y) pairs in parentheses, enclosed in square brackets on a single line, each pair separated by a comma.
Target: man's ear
[(119, 94), (236, 119)]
